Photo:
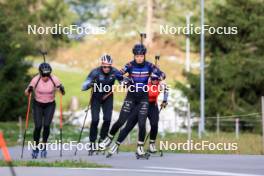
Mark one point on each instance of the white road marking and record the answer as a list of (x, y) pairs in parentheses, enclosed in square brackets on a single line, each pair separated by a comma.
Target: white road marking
[(168, 170), (132, 170), (204, 172)]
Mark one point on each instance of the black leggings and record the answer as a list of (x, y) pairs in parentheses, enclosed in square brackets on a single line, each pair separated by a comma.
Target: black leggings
[(107, 106), (133, 99), (153, 116), (43, 115)]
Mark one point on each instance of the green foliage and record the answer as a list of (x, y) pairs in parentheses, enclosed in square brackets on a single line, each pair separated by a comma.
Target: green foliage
[(16, 44), (234, 76)]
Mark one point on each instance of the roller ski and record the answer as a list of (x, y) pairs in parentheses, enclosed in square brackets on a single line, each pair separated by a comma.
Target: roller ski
[(140, 154), (35, 154), (153, 151), (43, 154), (113, 150)]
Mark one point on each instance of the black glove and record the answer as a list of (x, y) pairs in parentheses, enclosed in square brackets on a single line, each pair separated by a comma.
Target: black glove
[(30, 89), (163, 104), (127, 81), (62, 90)]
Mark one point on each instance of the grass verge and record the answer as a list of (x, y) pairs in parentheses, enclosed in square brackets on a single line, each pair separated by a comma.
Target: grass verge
[(66, 163)]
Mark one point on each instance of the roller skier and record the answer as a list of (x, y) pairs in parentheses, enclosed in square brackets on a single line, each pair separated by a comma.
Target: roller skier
[(98, 79), (44, 85), (155, 86)]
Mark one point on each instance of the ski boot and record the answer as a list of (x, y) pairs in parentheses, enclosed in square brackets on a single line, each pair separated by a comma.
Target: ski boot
[(101, 150), (105, 143), (92, 149), (43, 153), (140, 154), (152, 149), (35, 154), (113, 150)]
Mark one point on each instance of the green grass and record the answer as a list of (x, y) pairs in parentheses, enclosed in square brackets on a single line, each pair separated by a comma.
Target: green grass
[(66, 163), (248, 143)]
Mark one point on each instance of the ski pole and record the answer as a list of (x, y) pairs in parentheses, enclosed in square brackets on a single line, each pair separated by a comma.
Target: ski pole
[(149, 132), (89, 105), (142, 36), (61, 115), (43, 54), (26, 126), (157, 58), (6, 154)]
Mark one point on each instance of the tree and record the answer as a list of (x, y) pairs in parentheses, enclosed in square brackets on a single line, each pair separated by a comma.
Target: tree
[(234, 76), (16, 44)]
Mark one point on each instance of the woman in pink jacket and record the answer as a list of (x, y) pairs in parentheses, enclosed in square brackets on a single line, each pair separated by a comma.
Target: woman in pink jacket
[(44, 85)]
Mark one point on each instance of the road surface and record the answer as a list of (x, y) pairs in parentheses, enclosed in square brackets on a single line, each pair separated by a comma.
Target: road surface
[(125, 164)]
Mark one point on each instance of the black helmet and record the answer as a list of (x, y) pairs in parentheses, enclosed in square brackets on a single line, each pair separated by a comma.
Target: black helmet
[(106, 59), (154, 77), (45, 69), (139, 49)]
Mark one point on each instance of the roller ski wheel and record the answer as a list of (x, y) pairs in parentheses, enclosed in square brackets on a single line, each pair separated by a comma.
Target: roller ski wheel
[(109, 155), (156, 153), (100, 152), (144, 156), (43, 154), (34, 154), (91, 152)]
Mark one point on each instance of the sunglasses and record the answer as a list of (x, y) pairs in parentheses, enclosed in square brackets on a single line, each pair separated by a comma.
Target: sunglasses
[(106, 67)]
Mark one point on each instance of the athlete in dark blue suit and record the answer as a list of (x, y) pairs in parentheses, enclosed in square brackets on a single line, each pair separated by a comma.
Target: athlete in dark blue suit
[(139, 71), (98, 79)]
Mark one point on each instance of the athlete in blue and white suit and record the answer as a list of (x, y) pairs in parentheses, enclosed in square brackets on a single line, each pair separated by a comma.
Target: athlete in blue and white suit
[(139, 71)]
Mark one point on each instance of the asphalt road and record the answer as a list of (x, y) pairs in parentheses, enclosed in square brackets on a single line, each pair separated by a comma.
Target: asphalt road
[(126, 164)]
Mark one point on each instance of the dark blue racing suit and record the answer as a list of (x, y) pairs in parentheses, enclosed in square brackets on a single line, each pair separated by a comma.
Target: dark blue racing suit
[(102, 84), (137, 96)]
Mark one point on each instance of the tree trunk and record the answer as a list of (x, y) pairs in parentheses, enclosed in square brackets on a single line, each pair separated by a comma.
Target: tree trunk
[(149, 22)]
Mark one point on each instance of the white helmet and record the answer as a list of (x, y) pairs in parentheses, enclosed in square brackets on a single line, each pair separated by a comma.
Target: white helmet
[(106, 59)]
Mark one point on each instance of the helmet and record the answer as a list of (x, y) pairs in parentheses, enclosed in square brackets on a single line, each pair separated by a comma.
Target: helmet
[(45, 69), (139, 49), (106, 59), (154, 77)]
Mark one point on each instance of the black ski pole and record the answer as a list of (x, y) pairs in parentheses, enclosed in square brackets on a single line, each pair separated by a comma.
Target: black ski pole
[(157, 58), (61, 123), (43, 54), (80, 136), (26, 126), (12, 170), (142, 36)]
